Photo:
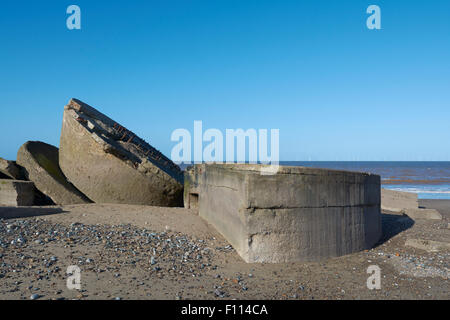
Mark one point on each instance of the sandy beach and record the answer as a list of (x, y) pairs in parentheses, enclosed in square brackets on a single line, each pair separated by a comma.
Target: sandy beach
[(141, 252)]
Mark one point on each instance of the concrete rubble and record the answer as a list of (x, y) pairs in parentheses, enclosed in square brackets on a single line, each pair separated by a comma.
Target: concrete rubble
[(406, 203), (428, 245), (110, 164), (425, 214), (16, 193), (10, 170), (40, 163), (397, 201)]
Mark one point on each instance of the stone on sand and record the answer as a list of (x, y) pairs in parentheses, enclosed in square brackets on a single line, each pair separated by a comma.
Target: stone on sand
[(40, 162), (110, 164), (16, 193)]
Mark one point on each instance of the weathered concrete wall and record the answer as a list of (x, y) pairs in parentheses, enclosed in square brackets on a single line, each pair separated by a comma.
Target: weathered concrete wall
[(299, 214), (110, 164), (397, 201), (16, 193)]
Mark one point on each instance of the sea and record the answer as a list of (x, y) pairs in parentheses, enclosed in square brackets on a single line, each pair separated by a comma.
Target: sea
[(429, 179)]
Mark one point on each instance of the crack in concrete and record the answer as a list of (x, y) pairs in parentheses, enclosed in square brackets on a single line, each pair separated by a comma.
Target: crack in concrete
[(212, 185)]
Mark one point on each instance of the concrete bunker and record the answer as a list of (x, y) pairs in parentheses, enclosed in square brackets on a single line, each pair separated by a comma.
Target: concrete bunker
[(191, 190), (298, 214), (111, 164)]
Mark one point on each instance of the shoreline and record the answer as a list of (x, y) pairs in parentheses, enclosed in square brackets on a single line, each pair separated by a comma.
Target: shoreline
[(416, 182)]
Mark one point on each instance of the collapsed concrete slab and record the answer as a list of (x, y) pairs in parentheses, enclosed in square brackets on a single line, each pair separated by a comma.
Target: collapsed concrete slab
[(298, 214), (406, 203), (397, 201), (40, 163), (10, 170), (16, 193), (110, 164), (428, 245), (423, 214)]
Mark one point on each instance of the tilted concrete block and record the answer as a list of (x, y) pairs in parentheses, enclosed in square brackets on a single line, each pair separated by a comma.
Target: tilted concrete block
[(16, 193), (40, 162), (298, 214), (398, 201), (423, 214), (11, 170), (110, 164)]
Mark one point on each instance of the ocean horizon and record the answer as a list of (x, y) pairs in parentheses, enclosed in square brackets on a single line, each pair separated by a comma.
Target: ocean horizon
[(428, 179)]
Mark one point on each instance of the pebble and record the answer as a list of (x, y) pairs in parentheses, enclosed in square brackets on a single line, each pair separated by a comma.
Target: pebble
[(218, 293), (34, 296), (170, 254)]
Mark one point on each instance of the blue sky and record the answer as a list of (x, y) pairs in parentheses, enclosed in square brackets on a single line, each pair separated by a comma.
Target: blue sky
[(336, 90)]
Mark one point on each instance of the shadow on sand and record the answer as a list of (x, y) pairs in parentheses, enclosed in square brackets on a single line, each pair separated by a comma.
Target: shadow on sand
[(392, 225), (24, 212)]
